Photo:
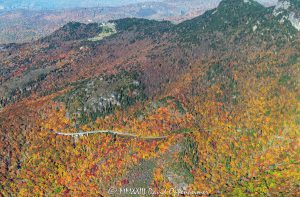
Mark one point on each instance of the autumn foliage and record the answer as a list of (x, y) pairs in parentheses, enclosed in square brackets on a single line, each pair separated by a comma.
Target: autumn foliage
[(218, 118)]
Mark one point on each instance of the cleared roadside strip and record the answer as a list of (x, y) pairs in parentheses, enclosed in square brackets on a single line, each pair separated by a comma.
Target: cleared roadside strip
[(79, 134)]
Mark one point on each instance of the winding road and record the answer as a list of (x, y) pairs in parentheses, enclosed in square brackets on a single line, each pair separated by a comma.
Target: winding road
[(79, 134)]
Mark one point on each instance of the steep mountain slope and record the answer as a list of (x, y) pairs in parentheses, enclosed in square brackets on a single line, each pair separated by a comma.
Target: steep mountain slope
[(239, 22), (222, 89)]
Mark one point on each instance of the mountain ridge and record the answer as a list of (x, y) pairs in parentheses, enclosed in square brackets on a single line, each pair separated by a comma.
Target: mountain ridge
[(231, 29), (224, 88), (26, 25)]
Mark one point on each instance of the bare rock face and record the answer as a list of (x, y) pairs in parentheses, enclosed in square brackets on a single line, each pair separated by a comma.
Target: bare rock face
[(289, 10)]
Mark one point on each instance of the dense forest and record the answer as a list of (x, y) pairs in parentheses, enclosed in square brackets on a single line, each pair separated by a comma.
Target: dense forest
[(210, 104)]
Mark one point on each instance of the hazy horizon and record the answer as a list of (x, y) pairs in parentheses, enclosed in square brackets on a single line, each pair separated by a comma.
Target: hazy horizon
[(67, 4), (57, 4)]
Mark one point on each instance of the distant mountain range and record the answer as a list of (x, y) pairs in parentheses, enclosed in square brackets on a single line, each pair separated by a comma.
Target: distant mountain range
[(23, 21), (66, 4)]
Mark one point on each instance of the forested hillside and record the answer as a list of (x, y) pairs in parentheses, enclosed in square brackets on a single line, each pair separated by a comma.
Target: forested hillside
[(210, 104)]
